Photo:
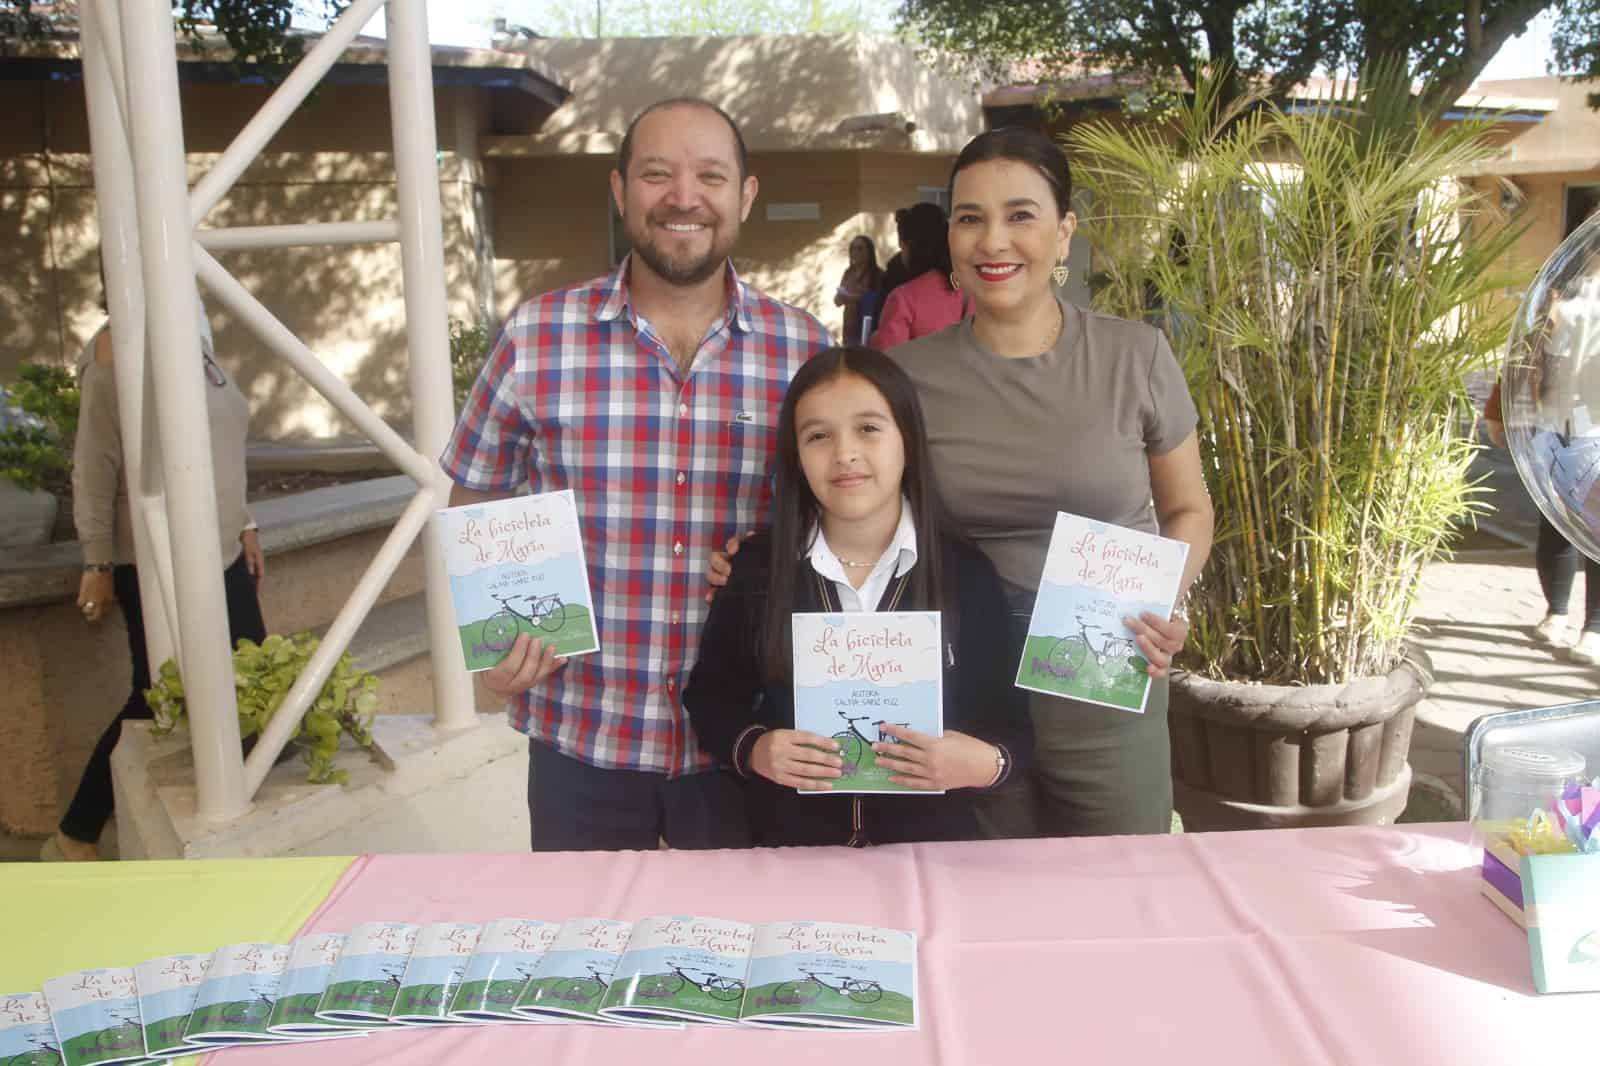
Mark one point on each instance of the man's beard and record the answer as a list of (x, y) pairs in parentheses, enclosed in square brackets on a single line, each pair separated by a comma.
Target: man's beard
[(686, 269)]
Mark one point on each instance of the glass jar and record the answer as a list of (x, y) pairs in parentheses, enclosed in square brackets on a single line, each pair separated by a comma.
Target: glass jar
[(1512, 782)]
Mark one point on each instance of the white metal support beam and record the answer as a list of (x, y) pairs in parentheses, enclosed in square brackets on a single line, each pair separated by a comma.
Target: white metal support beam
[(150, 218), (101, 37), (427, 328), (166, 246)]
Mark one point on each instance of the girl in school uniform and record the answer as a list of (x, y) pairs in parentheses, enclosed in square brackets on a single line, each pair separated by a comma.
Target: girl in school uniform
[(857, 526)]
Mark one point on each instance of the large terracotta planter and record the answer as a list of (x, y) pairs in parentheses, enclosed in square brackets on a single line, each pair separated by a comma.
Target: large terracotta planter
[(1268, 756)]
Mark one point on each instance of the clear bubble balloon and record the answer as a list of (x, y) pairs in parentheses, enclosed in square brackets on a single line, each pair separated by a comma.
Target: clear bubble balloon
[(1550, 389)]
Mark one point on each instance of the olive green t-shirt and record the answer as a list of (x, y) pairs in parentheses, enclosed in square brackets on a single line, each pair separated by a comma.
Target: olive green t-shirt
[(1016, 440)]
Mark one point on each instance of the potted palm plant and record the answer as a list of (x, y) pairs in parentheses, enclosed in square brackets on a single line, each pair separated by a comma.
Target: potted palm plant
[(1327, 284)]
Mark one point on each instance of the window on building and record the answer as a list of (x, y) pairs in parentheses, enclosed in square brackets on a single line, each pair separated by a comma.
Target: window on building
[(1582, 200), (616, 233)]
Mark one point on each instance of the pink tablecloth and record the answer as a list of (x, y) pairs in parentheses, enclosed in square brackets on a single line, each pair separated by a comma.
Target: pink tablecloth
[(1302, 947)]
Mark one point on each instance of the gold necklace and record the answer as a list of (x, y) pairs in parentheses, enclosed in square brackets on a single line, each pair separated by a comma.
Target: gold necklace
[(851, 563)]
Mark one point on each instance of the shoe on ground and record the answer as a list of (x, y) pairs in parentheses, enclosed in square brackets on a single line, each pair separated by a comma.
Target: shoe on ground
[(1587, 650), (1553, 630), (62, 848)]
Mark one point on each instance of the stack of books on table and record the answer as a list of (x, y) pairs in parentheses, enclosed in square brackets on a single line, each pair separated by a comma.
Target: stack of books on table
[(662, 972)]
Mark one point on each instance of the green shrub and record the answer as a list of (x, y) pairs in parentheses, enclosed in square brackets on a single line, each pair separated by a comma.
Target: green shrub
[(469, 347), (262, 676), (37, 452)]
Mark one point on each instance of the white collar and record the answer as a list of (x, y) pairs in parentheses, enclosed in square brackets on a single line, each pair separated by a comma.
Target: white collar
[(902, 549)]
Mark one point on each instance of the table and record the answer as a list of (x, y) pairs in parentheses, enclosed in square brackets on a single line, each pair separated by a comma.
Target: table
[(1365, 946), (59, 917)]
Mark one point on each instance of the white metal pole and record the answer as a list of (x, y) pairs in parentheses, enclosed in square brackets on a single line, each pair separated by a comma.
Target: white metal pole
[(292, 235), (101, 41), (427, 326), (166, 240)]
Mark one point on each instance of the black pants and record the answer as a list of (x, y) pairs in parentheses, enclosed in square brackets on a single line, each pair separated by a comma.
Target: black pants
[(1557, 562), (577, 807), (92, 804)]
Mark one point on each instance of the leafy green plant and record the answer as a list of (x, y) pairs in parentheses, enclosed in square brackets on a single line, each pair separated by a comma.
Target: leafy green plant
[(262, 677), (36, 450), (469, 347), (1327, 284)]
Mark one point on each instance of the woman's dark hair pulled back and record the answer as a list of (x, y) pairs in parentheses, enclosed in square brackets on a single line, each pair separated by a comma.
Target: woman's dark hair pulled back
[(1020, 144)]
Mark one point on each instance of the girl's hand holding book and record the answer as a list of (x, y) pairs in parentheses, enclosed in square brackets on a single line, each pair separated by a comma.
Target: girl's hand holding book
[(795, 758), (955, 760)]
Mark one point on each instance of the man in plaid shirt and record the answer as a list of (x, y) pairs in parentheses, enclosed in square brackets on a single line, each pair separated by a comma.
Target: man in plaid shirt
[(653, 394)]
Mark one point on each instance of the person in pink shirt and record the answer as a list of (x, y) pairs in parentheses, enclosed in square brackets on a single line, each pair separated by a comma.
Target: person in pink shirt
[(928, 302)]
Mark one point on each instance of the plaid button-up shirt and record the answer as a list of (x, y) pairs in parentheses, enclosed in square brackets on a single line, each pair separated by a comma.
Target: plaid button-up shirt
[(581, 393)]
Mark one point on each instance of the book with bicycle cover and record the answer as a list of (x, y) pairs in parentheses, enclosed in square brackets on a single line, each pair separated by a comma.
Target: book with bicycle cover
[(681, 969), (233, 1003), (570, 981), (499, 969), (27, 1037), (433, 973), (855, 673), (95, 1014), (305, 978), (828, 975), (1095, 575), (167, 989), (365, 981), (517, 566)]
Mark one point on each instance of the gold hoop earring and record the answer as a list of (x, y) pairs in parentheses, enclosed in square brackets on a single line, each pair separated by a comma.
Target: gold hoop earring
[(1059, 274), (954, 284)]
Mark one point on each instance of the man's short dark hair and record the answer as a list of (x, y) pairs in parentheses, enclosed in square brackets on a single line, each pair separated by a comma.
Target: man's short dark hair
[(625, 154)]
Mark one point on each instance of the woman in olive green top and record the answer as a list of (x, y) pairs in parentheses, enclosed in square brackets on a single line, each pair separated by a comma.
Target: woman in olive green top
[(1035, 406)]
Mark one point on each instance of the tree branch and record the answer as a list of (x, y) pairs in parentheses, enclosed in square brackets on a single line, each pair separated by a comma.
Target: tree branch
[(1444, 88)]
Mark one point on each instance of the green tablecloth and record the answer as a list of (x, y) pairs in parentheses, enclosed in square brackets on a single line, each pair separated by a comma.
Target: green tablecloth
[(61, 917)]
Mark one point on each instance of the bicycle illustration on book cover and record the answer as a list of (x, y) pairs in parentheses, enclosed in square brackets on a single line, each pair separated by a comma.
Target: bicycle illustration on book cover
[(517, 567), (1095, 575)]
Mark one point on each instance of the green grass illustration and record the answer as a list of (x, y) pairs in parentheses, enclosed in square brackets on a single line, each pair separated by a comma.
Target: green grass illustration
[(810, 997), (582, 994), (1076, 671), (861, 770), (299, 1008), (427, 1000), (577, 632), (669, 991), (166, 1033), (242, 1016), (370, 997), (116, 1042), (496, 995)]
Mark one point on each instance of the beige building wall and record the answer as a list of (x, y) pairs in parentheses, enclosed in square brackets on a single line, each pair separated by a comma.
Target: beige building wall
[(785, 91), (551, 221), (1542, 162), (330, 163)]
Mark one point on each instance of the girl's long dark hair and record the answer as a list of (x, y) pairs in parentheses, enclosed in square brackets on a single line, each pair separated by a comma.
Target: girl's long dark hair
[(874, 271), (925, 233), (795, 512)]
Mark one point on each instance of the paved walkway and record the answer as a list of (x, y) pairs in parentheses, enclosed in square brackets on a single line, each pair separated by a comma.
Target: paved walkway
[(1475, 619)]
